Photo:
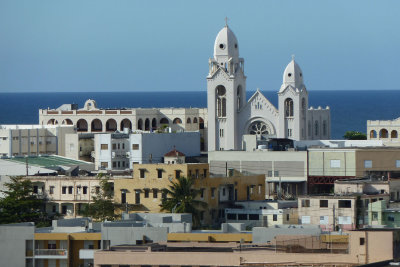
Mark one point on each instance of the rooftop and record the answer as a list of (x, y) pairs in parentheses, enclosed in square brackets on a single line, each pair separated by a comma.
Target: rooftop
[(47, 161)]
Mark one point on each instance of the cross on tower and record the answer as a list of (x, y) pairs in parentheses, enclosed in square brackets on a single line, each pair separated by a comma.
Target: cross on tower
[(293, 57), (226, 21)]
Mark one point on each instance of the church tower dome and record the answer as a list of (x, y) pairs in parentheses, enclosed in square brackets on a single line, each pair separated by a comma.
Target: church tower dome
[(293, 76), (226, 46)]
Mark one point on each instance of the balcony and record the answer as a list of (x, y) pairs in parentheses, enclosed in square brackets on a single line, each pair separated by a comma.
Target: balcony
[(51, 253), (86, 254)]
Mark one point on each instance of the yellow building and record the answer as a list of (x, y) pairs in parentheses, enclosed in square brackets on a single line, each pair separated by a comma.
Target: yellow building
[(222, 192), (143, 192)]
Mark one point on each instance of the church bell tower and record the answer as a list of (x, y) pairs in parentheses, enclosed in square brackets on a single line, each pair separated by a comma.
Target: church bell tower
[(226, 92)]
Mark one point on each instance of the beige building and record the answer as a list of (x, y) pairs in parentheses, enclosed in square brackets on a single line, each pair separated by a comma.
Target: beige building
[(91, 119), (143, 192), (285, 172), (33, 140), (326, 165), (65, 194), (347, 212), (352, 249)]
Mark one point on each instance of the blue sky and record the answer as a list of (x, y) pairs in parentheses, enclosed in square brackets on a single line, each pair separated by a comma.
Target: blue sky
[(129, 45)]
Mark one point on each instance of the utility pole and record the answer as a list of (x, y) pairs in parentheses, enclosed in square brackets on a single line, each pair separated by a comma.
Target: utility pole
[(27, 166), (334, 218)]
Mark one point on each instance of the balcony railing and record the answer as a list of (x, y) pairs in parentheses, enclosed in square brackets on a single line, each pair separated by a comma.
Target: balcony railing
[(51, 253)]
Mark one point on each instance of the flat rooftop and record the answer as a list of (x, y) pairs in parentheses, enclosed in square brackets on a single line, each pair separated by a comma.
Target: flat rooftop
[(47, 161)]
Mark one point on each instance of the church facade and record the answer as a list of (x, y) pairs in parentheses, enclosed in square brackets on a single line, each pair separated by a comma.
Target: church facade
[(230, 116)]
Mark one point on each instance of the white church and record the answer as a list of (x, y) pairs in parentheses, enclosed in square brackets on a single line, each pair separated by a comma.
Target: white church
[(230, 116)]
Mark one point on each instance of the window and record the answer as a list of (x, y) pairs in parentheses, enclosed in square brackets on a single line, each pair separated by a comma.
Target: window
[(54, 208), (344, 203), (97, 189), (202, 193), (159, 173), (259, 188), (213, 192), (223, 192), (177, 173), (35, 189), (374, 216), (142, 173), (135, 146), (367, 163), (274, 217), (316, 128), (70, 189), (335, 163), (155, 193), (287, 217), (137, 196), (123, 196), (323, 203), (288, 107), (390, 218), (114, 146), (269, 173), (64, 190), (231, 216), (254, 217), (197, 173), (362, 241), (114, 164), (242, 217), (146, 193), (104, 165), (397, 163), (51, 190), (104, 147), (305, 203), (276, 173), (85, 190), (205, 173)]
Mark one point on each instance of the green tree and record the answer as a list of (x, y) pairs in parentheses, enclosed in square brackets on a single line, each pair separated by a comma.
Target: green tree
[(354, 135), (103, 207), (181, 198), (20, 204)]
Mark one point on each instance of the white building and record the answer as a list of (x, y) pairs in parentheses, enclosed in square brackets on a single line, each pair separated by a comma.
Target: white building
[(121, 151), (91, 119), (385, 130), (230, 116), (33, 140)]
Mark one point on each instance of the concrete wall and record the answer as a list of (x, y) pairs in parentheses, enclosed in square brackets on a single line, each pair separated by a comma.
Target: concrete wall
[(130, 235), (267, 234), (340, 162), (13, 248)]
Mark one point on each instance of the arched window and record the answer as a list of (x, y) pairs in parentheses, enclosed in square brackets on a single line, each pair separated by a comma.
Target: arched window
[(52, 122), (67, 122), (126, 123), (97, 125), (111, 125), (238, 94), (258, 128), (140, 124), (194, 120), (316, 128), (154, 124), (324, 128), (221, 101), (393, 134), (372, 134), (147, 125), (201, 123), (164, 121), (288, 107), (82, 125), (309, 128), (177, 121), (383, 133), (188, 121)]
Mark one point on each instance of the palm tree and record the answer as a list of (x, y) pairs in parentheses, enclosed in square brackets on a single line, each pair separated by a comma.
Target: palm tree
[(181, 198)]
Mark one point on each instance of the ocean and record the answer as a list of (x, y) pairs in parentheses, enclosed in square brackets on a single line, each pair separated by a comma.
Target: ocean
[(350, 110)]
